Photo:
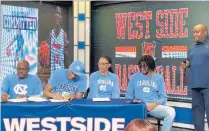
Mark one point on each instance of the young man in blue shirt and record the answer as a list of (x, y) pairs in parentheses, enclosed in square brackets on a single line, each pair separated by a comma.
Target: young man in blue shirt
[(22, 84), (67, 83), (150, 88), (198, 62)]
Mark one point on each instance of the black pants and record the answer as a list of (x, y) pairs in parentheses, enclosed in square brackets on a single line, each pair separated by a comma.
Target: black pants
[(200, 104)]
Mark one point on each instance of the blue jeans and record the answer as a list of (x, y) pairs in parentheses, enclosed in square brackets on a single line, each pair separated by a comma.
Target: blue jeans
[(200, 105), (166, 113)]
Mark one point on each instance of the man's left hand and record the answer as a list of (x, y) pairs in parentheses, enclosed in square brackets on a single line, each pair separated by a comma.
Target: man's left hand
[(21, 96), (152, 106)]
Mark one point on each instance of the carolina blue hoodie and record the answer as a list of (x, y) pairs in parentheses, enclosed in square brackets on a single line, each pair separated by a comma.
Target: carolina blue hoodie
[(150, 89), (60, 83), (104, 85)]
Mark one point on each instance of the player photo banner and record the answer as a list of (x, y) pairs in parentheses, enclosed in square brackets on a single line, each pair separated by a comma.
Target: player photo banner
[(19, 38)]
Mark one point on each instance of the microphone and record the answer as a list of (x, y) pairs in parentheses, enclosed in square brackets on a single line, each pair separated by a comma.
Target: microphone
[(184, 68), (184, 71)]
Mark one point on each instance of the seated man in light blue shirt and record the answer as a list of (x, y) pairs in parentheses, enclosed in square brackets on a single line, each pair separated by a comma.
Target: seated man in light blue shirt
[(67, 83), (20, 85), (150, 88)]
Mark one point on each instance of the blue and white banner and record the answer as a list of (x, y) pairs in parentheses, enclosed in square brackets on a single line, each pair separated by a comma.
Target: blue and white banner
[(19, 38), (76, 115)]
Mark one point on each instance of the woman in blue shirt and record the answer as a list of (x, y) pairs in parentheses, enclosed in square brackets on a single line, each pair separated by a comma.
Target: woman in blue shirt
[(104, 83)]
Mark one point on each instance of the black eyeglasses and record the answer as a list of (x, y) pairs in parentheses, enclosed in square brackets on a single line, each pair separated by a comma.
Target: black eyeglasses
[(99, 63)]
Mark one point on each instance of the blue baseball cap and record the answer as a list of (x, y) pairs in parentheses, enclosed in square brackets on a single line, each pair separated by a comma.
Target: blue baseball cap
[(77, 67)]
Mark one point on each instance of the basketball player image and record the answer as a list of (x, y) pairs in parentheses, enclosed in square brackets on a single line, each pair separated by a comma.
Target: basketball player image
[(58, 43), (19, 48)]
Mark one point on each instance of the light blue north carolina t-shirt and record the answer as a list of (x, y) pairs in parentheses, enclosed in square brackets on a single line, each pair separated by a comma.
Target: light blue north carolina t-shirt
[(60, 83), (104, 86), (13, 86), (150, 89)]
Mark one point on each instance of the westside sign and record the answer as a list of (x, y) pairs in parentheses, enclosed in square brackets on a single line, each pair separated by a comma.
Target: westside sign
[(75, 115), (63, 124)]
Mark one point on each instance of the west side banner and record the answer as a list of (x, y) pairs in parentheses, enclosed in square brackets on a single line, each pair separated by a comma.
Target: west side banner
[(169, 24), (133, 29)]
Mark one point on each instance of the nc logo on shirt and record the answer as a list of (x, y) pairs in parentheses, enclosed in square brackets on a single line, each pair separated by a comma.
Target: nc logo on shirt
[(20, 89), (146, 89), (65, 93), (102, 88)]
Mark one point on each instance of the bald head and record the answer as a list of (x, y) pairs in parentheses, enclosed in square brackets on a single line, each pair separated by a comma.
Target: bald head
[(25, 62), (200, 32), (22, 69)]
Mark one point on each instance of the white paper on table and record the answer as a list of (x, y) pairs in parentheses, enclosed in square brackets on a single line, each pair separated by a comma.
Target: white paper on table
[(101, 99), (18, 100), (53, 100), (37, 99)]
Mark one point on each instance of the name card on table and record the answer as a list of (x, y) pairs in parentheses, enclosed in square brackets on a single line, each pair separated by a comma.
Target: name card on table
[(101, 99)]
